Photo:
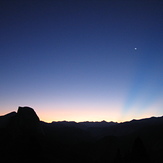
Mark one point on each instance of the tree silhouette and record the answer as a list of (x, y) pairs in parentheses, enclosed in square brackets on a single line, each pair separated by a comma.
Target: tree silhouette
[(118, 157), (138, 150)]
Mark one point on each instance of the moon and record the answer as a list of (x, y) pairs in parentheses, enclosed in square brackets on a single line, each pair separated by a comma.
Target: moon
[(135, 48)]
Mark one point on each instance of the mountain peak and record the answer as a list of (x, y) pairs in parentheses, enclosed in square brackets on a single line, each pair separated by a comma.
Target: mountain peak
[(28, 119)]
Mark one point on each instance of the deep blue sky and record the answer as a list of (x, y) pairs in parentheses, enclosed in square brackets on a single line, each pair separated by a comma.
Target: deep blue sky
[(76, 59)]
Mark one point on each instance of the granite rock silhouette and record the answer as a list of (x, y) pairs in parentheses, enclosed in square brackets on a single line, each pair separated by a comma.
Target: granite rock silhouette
[(28, 120), (22, 134), (24, 138)]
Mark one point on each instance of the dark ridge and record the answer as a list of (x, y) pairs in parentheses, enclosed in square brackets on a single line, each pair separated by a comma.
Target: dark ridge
[(5, 119), (24, 138)]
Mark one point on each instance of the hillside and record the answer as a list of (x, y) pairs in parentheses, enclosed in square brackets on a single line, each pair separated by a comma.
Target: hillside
[(23, 137)]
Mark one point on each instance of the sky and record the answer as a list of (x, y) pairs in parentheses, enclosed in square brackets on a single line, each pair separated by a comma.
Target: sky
[(82, 60)]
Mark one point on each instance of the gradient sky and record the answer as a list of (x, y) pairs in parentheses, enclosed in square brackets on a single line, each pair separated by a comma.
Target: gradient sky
[(76, 60)]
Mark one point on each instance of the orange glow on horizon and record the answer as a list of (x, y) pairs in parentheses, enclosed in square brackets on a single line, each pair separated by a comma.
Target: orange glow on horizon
[(79, 115), (48, 113)]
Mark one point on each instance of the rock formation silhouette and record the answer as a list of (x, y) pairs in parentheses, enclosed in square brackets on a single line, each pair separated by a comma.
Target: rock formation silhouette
[(24, 138), (22, 133)]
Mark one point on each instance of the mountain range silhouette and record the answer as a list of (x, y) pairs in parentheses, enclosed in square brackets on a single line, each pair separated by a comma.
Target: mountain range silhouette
[(24, 138)]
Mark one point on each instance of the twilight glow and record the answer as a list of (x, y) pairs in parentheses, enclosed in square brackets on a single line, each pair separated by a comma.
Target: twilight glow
[(82, 60)]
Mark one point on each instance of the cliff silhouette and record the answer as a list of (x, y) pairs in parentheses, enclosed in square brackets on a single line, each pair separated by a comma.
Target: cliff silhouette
[(24, 138)]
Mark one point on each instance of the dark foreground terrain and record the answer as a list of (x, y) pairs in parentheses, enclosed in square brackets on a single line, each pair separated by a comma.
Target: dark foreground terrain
[(24, 138)]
